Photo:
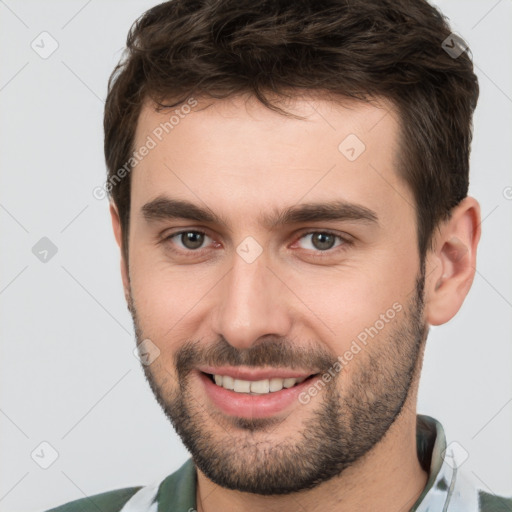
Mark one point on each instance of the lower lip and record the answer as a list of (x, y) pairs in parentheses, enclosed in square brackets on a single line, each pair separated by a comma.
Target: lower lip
[(244, 405)]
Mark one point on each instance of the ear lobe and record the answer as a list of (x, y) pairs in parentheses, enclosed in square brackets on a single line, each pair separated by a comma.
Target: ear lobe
[(452, 263), (117, 228)]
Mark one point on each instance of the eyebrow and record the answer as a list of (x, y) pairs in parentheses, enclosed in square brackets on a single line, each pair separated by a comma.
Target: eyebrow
[(165, 208)]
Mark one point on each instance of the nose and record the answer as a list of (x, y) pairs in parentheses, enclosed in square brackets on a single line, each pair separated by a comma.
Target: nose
[(251, 304)]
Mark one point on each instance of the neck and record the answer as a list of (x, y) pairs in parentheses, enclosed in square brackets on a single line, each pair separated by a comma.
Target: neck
[(389, 477)]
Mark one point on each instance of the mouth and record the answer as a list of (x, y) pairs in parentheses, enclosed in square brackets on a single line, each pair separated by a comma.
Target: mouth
[(256, 387), (260, 394)]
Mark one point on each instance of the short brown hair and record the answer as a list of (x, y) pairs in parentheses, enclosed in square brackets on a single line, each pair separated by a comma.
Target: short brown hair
[(360, 49)]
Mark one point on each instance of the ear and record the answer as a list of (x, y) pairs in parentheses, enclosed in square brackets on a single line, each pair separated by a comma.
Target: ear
[(450, 266), (116, 226)]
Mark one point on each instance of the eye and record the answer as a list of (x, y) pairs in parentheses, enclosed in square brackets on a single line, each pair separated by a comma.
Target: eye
[(189, 240), (321, 241)]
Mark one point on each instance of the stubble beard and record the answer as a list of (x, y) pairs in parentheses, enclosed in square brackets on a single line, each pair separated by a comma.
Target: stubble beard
[(343, 423)]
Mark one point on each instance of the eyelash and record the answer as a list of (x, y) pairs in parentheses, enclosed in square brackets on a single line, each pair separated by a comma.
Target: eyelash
[(345, 242)]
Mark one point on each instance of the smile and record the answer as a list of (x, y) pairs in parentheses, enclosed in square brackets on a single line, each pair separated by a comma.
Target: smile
[(255, 387), (251, 393)]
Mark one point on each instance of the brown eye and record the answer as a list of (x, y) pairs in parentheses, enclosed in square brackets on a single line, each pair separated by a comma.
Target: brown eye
[(188, 240), (192, 239), (321, 240)]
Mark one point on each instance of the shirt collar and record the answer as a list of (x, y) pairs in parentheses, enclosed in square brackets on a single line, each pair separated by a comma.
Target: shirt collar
[(446, 488)]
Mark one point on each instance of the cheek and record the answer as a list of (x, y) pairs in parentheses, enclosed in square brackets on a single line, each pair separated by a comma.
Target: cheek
[(166, 298), (359, 303)]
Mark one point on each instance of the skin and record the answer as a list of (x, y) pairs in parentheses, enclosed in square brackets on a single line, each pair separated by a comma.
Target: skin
[(239, 159)]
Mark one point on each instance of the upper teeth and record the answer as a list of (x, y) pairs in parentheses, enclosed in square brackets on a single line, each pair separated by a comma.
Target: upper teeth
[(255, 386)]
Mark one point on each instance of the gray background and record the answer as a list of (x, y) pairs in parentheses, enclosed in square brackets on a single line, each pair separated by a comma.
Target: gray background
[(68, 374)]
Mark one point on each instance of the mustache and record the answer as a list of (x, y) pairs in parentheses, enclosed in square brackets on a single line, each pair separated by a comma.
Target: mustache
[(272, 351)]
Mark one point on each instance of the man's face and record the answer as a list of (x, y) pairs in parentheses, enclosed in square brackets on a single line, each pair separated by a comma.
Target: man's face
[(255, 292)]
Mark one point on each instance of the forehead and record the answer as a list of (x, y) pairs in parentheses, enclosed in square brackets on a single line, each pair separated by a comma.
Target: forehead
[(238, 156)]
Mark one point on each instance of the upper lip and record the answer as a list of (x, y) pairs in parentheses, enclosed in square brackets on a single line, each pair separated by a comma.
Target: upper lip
[(254, 374)]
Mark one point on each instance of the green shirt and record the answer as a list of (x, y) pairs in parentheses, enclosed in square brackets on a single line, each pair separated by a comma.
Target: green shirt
[(447, 489)]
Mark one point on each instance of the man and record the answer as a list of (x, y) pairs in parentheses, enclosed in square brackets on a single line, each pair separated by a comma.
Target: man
[(289, 194)]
